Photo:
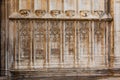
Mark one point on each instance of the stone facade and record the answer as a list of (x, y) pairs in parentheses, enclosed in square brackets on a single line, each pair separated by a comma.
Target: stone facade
[(60, 38)]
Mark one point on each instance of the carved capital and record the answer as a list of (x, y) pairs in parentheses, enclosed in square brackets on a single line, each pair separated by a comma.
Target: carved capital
[(55, 12), (84, 13), (70, 13), (40, 12), (99, 13)]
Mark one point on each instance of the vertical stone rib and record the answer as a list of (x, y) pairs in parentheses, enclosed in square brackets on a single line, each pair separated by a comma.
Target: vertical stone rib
[(46, 42), (63, 6), (61, 51), (93, 43), (33, 46), (49, 52), (32, 5), (77, 7), (107, 46), (18, 44), (12, 8), (75, 46), (63, 41), (92, 8), (14, 39), (31, 49)]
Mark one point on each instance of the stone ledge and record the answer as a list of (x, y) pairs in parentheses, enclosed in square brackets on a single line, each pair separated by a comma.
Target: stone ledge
[(63, 19), (65, 73)]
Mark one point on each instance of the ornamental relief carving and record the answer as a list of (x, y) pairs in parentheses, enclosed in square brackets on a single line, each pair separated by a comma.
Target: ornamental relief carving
[(70, 36), (84, 30), (40, 39), (24, 35), (83, 43), (24, 12), (55, 37), (55, 41), (99, 31)]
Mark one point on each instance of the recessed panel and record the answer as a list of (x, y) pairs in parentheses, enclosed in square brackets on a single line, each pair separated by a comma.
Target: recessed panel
[(84, 5), (55, 4), (69, 4), (69, 44), (40, 4), (39, 44), (54, 43), (99, 45), (24, 4), (84, 44), (99, 5)]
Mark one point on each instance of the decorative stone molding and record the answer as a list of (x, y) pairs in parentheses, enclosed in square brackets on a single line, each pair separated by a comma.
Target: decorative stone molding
[(40, 12), (70, 13), (84, 13), (24, 12), (55, 13), (99, 13)]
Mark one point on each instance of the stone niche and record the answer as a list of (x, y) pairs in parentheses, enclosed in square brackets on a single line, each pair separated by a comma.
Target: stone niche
[(60, 38)]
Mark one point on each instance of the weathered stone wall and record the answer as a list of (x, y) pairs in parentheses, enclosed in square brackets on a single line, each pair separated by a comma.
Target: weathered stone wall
[(8, 41), (81, 42)]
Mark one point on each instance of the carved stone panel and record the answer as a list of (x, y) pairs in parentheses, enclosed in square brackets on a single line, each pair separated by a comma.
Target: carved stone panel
[(84, 43), (69, 44), (24, 4), (54, 29), (99, 44), (84, 5), (24, 43), (39, 43)]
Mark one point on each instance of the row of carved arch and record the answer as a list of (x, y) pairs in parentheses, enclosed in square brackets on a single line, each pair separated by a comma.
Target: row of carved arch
[(54, 34)]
